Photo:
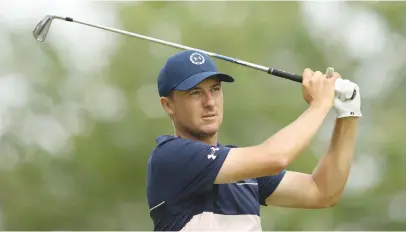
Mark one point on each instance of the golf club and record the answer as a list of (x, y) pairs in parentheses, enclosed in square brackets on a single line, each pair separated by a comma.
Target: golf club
[(42, 28)]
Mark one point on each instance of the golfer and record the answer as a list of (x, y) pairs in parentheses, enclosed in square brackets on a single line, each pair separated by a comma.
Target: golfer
[(196, 183)]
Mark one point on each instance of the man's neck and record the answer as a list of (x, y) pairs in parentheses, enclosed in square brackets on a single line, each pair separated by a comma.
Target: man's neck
[(211, 140)]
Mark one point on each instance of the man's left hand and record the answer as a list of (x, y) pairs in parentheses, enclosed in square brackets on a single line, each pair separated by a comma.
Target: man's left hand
[(342, 106)]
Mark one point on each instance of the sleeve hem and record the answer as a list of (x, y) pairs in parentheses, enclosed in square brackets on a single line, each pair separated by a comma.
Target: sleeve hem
[(218, 163), (271, 186)]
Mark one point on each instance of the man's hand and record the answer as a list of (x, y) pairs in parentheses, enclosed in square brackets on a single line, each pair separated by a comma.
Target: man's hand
[(317, 89), (344, 106), (347, 108)]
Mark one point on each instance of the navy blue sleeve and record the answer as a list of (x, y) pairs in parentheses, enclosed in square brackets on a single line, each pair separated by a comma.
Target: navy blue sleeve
[(186, 168), (267, 185)]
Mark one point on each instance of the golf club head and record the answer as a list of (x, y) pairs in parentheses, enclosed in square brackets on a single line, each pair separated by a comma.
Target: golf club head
[(41, 30)]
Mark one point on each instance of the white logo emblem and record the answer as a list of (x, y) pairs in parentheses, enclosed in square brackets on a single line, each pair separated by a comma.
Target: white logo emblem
[(212, 152), (196, 58)]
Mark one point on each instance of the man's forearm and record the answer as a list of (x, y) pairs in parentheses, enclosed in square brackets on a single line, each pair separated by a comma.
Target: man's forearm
[(331, 173), (289, 142)]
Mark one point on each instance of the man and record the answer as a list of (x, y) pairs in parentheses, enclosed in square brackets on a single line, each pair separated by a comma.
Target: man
[(196, 183)]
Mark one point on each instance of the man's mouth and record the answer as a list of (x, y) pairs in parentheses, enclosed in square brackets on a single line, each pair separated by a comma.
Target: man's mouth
[(209, 116)]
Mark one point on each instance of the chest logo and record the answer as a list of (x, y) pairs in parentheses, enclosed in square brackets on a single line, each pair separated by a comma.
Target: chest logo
[(212, 153)]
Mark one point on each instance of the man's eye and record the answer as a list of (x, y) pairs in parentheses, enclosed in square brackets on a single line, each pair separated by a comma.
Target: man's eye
[(216, 88), (194, 92)]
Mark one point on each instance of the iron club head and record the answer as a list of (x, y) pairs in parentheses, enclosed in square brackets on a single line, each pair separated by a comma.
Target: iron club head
[(41, 30)]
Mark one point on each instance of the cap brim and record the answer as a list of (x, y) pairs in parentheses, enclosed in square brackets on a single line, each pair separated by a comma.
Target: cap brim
[(192, 81)]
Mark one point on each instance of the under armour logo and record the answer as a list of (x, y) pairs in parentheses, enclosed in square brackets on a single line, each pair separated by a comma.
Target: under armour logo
[(196, 58), (212, 152)]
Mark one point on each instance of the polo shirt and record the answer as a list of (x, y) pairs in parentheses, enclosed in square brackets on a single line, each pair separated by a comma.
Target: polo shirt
[(182, 195)]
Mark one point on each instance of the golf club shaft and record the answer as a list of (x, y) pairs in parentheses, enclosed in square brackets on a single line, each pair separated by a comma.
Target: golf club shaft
[(272, 71)]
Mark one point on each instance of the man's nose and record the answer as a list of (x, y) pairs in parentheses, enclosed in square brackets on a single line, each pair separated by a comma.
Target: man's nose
[(208, 99)]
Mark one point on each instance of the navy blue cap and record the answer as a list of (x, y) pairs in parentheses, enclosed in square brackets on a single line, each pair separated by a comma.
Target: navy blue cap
[(185, 70)]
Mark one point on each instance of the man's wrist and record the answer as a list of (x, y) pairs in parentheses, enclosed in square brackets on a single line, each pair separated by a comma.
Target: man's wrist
[(353, 119), (323, 107), (352, 114)]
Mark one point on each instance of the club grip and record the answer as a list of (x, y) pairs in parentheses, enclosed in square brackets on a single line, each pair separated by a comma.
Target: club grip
[(294, 77), (286, 75)]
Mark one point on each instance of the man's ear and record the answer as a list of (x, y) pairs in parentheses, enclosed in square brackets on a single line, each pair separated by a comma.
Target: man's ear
[(167, 104)]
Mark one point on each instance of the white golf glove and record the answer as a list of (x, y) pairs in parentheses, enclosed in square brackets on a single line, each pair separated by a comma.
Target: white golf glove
[(343, 105)]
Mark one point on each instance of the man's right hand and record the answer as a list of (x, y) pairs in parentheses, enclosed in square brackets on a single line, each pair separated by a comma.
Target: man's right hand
[(318, 90)]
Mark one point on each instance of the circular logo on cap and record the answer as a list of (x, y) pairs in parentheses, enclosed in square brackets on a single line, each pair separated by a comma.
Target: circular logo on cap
[(196, 58)]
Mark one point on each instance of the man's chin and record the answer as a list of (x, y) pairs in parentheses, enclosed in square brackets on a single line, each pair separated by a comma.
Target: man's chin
[(208, 131)]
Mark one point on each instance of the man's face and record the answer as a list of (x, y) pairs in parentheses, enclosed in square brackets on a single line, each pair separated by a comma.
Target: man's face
[(198, 111)]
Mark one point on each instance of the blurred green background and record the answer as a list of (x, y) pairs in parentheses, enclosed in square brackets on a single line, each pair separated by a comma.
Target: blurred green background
[(80, 112)]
